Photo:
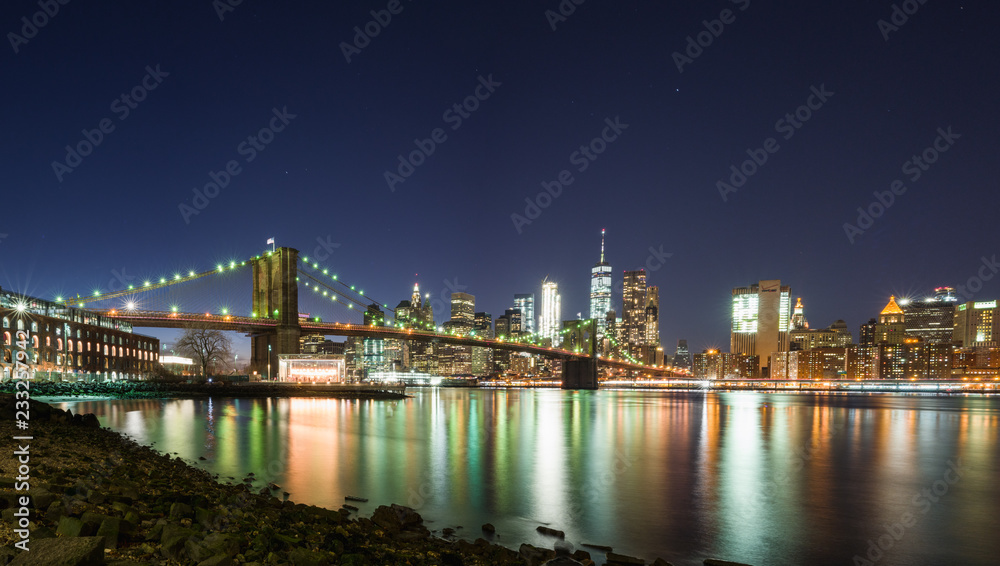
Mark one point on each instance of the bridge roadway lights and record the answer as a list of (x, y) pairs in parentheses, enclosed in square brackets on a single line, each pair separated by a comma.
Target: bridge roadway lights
[(580, 373)]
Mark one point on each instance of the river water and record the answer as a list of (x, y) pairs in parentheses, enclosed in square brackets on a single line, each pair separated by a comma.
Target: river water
[(762, 478)]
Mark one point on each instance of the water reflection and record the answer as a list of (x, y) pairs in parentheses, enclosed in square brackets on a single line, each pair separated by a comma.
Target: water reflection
[(760, 478)]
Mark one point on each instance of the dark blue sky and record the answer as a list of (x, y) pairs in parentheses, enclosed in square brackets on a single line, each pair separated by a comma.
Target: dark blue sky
[(655, 185)]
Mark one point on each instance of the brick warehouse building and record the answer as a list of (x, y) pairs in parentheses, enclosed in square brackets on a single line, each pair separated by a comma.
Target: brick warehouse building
[(71, 344)]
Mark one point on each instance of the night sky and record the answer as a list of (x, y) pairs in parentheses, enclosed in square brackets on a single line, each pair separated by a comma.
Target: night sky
[(218, 81)]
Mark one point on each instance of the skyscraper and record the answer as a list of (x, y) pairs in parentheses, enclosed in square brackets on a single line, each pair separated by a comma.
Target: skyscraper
[(761, 313), (600, 292), (633, 328), (525, 302), (799, 321), (549, 322), (976, 325), (652, 354), (890, 328), (682, 359), (463, 307), (933, 318)]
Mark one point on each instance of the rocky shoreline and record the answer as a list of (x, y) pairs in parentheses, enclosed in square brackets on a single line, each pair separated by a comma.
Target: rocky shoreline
[(152, 390), (98, 497)]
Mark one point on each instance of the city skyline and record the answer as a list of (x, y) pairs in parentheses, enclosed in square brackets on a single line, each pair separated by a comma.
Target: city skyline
[(645, 150)]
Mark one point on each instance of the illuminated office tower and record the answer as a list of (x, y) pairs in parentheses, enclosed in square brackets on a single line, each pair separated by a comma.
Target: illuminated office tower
[(525, 302), (633, 327), (760, 317), (463, 308), (653, 353), (549, 322), (932, 318), (600, 292), (976, 325)]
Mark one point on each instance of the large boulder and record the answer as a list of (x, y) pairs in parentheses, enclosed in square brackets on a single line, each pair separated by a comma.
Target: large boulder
[(77, 551)]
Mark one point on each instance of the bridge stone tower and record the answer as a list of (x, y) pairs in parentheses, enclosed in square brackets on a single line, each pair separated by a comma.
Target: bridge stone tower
[(581, 373), (276, 296)]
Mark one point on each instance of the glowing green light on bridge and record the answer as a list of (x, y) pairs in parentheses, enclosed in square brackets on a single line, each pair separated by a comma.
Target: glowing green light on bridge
[(130, 287), (305, 259), (225, 311), (97, 293), (173, 309), (177, 276), (146, 283), (59, 299), (190, 273), (232, 265), (220, 267), (162, 280)]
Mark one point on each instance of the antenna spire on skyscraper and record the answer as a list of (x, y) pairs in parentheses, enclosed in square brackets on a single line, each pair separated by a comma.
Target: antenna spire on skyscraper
[(602, 245)]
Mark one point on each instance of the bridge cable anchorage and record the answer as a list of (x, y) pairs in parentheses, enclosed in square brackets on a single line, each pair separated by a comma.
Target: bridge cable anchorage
[(361, 293), (150, 285)]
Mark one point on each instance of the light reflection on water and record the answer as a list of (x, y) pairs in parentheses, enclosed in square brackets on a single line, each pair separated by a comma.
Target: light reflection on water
[(758, 478)]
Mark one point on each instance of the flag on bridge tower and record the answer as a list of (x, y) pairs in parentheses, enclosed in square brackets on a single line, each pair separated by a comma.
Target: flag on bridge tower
[(271, 241)]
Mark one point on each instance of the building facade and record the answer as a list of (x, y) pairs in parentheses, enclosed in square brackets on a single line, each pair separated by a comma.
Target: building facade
[(760, 319), (71, 344), (600, 292), (550, 319)]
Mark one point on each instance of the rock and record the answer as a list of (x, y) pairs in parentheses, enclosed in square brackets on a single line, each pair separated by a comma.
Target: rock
[(661, 562), (215, 544), (622, 560), (448, 531), (305, 557), (717, 562), (70, 527), (181, 510), (220, 560), (109, 530), (562, 561), (550, 532), (535, 556), (42, 498), (172, 543), (79, 551), (489, 528), (396, 517), (207, 518)]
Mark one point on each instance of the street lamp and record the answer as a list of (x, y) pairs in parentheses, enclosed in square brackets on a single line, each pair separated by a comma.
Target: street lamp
[(269, 362)]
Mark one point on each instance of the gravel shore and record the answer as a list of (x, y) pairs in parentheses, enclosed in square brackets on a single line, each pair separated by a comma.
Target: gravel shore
[(100, 498)]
